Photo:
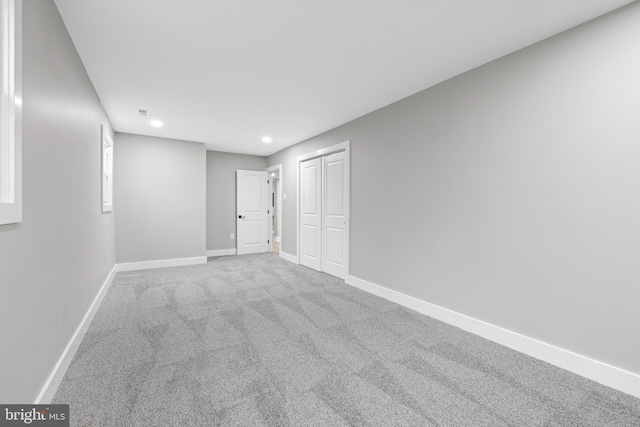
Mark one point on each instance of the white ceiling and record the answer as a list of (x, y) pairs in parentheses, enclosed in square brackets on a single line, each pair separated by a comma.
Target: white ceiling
[(228, 72)]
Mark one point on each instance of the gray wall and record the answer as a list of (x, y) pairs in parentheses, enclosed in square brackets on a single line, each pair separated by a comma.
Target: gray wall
[(221, 195), (159, 198), (53, 264), (510, 193)]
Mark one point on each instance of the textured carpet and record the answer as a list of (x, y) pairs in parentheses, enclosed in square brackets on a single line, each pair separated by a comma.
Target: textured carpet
[(254, 340)]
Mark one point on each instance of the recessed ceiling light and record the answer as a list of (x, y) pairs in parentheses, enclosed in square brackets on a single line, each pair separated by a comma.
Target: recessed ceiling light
[(273, 174), (266, 139), (157, 123)]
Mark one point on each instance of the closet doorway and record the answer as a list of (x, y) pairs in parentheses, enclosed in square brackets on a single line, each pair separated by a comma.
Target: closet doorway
[(323, 210)]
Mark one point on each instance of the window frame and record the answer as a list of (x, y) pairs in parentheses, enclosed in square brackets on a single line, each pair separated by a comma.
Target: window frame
[(10, 112)]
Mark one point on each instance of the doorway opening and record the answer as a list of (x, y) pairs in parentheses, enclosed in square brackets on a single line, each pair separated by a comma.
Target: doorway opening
[(275, 203)]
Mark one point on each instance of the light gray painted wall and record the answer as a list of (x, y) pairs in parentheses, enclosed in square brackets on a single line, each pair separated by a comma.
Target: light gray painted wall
[(510, 193), (221, 195), (53, 264), (159, 198)]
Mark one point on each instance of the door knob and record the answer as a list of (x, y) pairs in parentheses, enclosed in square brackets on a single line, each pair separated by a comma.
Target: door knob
[(241, 216)]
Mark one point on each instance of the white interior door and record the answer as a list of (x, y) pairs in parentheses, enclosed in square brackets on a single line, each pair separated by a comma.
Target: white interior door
[(334, 241), (311, 213), (252, 206)]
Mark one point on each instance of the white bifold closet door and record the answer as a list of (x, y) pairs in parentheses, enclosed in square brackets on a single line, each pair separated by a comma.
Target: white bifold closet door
[(323, 214), (334, 215), (311, 213)]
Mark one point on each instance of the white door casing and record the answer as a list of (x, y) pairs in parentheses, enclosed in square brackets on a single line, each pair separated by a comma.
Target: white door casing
[(252, 206), (334, 215), (311, 213)]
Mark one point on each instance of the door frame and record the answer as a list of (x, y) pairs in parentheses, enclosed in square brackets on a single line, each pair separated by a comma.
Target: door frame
[(340, 147), (272, 169)]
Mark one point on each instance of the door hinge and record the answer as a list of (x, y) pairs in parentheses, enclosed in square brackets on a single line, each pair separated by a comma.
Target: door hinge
[(267, 210), (268, 242), (267, 181)]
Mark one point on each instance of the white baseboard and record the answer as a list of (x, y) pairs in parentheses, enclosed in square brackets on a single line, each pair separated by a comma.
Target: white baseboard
[(145, 265), (611, 376), (287, 257), (51, 385), (605, 374), (221, 252)]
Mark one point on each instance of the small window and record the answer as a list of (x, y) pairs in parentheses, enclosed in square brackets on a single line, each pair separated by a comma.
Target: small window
[(10, 113), (107, 171)]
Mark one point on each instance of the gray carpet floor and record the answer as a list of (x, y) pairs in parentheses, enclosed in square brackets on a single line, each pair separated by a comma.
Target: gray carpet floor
[(254, 340)]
